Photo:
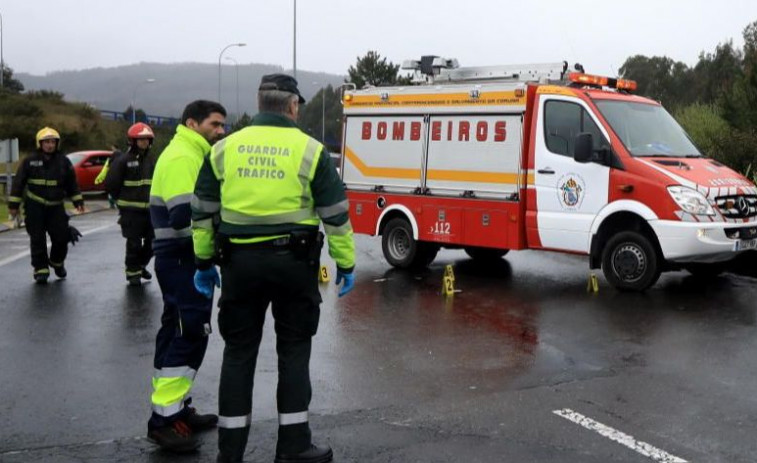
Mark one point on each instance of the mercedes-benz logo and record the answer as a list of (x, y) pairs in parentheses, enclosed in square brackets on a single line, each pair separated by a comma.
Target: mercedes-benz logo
[(742, 206)]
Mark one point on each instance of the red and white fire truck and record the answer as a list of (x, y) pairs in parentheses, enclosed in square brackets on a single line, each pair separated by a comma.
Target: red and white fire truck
[(500, 158)]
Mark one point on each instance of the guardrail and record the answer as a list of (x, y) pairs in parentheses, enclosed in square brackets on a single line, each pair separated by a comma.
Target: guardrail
[(150, 119)]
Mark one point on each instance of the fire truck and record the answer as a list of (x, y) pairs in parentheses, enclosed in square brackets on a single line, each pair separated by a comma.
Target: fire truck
[(499, 158)]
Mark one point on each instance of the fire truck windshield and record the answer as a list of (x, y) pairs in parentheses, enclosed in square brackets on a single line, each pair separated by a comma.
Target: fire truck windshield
[(647, 130)]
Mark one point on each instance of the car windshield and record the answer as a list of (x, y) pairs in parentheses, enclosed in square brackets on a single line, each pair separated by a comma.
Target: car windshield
[(76, 158), (647, 130)]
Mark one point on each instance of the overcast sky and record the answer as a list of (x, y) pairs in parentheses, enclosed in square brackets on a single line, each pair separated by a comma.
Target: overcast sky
[(39, 36)]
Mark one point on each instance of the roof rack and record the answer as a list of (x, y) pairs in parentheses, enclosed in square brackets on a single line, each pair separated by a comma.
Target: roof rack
[(433, 69)]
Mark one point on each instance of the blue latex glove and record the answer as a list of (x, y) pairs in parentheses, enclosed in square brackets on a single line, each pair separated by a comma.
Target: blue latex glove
[(205, 280), (349, 282)]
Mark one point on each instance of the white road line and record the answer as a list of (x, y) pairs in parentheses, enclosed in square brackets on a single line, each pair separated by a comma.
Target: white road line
[(613, 434), (18, 256)]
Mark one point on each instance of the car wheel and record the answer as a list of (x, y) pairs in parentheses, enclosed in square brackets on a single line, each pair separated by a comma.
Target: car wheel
[(630, 262)]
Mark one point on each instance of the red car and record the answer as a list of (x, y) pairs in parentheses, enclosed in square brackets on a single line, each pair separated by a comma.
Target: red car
[(87, 165)]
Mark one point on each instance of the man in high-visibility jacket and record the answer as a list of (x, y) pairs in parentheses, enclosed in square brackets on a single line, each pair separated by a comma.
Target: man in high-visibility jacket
[(185, 324), (128, 182), (267, 187), (43, 181)]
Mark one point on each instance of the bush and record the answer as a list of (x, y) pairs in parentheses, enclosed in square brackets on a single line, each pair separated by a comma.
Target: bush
[(704, 125)]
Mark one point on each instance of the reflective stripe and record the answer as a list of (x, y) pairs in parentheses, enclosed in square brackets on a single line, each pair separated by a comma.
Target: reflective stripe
[(42, 271), (273, 219), (56, 264), (329, 211), (168, 410), (201, 205), (42, 181), (139, 205), (42, 200), (169, 233), (15, 199), (175, 372), (179, 200), (216, 158), (142, 182), (234, 422), (133, 273), (286, 419), (304, 174), (341, 230), (205, 224), (77, 198), (157, 201)]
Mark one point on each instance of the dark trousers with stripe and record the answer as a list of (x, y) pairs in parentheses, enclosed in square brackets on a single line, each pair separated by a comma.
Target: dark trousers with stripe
[(41, 221), (251, 280), (185, 324), (136, 227)]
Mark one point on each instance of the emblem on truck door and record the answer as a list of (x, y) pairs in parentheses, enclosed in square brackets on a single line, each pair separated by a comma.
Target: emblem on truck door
[(571, 191)]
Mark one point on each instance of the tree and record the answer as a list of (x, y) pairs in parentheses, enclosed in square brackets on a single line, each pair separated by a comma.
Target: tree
[(318, 111), (140, 115), (374, 70), (241, 123), (660, 78), (9, 83)]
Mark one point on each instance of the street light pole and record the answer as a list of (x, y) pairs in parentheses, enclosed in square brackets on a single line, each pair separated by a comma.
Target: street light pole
[(294, 41), (134, 99), (219, 65), (2, 63), (236, 67)]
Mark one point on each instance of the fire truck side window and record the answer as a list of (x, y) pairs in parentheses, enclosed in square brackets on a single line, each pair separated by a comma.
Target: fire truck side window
[(563, 121)]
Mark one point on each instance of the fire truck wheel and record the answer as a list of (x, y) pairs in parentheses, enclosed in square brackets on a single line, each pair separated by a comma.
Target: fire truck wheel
[(630, 262), (401, 250), (485, 254)]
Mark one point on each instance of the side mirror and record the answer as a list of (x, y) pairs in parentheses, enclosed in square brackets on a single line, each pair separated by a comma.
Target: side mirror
[(583, 148)]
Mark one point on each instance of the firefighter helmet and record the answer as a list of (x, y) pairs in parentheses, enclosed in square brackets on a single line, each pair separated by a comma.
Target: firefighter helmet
[(140, 130), (47, 133)]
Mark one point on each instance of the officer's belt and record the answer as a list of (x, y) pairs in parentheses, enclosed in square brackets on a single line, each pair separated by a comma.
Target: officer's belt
[(268, 244)]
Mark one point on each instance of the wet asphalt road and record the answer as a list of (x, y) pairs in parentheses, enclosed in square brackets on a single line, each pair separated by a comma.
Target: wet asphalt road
[(400, 373)]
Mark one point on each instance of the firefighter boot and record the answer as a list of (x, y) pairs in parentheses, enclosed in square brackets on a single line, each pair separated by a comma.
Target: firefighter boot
[(199, 422), (177, 437), (315, 454), (146, 275), (134, 277), (59, 269), (41, 275)]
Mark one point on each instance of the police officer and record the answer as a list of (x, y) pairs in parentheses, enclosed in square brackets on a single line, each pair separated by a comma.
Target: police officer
[(128, 182), (185, 324), (267, 187), (43, 180)]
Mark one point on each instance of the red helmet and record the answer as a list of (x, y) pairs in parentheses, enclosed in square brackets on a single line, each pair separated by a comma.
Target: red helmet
[(140, 130)]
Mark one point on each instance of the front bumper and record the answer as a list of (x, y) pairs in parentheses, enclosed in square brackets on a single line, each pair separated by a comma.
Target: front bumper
[(700, 241)]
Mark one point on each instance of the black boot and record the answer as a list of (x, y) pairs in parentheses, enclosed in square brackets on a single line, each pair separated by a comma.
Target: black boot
[(146, 275), (315, 454), (199, 422), (134, 281), (60, 270), (41, 275), (176, 437)]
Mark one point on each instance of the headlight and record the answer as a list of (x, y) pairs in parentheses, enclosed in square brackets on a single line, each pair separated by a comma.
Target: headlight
[(690, 200)]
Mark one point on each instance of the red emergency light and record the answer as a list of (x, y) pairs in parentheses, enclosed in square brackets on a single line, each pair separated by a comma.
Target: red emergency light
[(601, 81)]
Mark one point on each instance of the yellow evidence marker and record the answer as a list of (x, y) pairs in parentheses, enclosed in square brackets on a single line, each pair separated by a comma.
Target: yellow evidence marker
[(592, 286), (448, 281), (323, 274)]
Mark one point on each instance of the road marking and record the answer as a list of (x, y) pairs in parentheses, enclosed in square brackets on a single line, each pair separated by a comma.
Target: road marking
[(622, 438), (18, 256)]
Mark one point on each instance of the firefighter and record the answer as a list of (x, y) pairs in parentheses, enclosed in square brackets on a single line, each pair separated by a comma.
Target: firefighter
[(43, 180), (267, 187), (185, 324), (128, 182)]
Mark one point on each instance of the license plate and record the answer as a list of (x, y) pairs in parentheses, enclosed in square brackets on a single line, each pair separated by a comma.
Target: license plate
[(743, 245)]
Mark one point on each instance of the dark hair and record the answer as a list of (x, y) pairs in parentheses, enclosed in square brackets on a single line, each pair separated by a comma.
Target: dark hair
[(200, 110)]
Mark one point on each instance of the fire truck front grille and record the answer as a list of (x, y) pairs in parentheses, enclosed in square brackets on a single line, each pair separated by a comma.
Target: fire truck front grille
[(737, 206)]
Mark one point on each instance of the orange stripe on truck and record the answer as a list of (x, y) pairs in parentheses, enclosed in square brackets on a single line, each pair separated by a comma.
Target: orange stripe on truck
[(434, 174)]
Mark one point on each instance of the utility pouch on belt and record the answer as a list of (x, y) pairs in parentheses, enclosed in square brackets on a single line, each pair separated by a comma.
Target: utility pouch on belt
[(221, 248), (306, 245)]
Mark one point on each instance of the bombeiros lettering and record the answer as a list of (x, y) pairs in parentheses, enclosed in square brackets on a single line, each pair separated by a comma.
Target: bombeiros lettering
[(452, 130)]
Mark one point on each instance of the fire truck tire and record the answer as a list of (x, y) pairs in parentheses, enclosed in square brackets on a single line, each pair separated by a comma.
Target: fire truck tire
[(401, 250), (485, 254), (630, 262)]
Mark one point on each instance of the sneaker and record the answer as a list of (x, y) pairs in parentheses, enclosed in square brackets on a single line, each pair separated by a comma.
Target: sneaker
[(314, 454), (60, 271), (199, 422), (146, 274), (176, 437)]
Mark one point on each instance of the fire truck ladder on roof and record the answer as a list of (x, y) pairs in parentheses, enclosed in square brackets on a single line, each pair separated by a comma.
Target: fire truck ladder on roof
[(433, 69)]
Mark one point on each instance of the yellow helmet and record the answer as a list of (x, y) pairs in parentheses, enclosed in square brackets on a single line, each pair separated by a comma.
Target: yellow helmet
[(47, 133)]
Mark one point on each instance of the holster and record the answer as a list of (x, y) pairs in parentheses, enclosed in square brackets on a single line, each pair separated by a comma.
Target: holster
[(221, 248), (306, 245)]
